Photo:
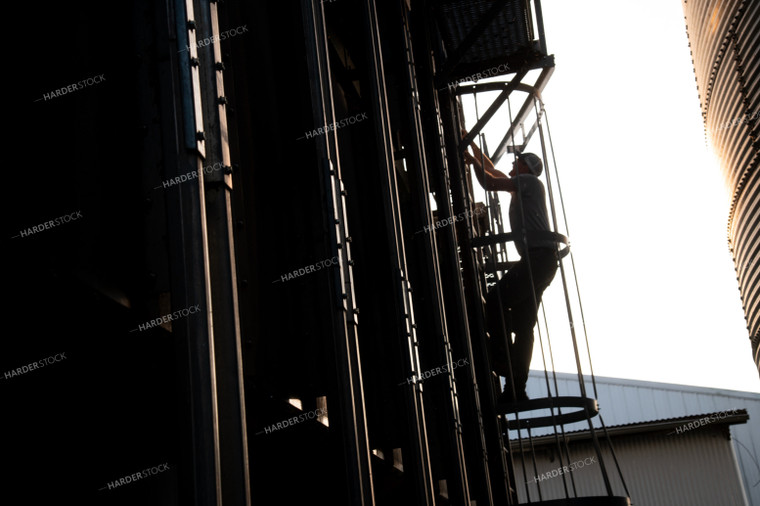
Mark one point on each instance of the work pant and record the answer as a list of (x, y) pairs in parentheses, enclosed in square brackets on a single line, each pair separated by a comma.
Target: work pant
[(511, 306)]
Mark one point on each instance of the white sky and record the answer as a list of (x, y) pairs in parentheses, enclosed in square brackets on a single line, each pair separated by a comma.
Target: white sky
[(644, 197)]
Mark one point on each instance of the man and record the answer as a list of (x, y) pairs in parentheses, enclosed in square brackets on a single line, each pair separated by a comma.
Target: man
[(512, 305)]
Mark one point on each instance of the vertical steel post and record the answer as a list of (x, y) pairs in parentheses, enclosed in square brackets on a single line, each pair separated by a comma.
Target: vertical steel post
[(351, 419), (418, 441), (217, 184)]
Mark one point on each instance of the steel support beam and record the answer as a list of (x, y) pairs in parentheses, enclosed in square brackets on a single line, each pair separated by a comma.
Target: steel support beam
[(419, 459), (217, 183), (351, 418), (435, 345)]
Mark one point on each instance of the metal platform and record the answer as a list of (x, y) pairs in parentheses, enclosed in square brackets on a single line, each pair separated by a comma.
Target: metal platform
[(478, 34)]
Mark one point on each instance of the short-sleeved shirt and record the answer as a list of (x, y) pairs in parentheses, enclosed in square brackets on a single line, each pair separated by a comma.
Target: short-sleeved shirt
[(530, 190)]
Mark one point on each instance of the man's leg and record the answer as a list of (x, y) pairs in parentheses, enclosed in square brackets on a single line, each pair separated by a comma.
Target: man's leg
[(504, 305), (521, 351), (525, 315)]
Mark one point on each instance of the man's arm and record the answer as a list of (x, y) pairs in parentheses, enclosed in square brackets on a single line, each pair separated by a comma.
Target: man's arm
[(488, 176)]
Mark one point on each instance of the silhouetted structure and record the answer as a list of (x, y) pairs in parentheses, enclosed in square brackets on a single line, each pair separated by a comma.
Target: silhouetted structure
[(259, 300)]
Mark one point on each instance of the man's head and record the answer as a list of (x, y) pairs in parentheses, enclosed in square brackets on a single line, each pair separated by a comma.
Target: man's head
[(527, 163)]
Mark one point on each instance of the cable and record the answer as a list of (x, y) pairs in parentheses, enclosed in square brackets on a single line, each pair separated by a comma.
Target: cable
[(592, 430), (559, 410), (572, 259)]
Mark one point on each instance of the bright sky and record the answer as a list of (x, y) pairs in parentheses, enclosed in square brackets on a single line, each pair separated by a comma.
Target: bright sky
[(644, 197)]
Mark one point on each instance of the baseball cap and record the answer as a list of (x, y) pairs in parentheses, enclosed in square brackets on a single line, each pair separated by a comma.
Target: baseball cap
[(534, 163)]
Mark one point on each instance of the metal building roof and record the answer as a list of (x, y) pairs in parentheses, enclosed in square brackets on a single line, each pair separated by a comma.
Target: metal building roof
[(678, 425)]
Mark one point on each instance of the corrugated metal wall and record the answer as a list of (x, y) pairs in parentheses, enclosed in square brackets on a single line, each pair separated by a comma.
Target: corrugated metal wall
[(693, 469), (723, 36), (624, 402)]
